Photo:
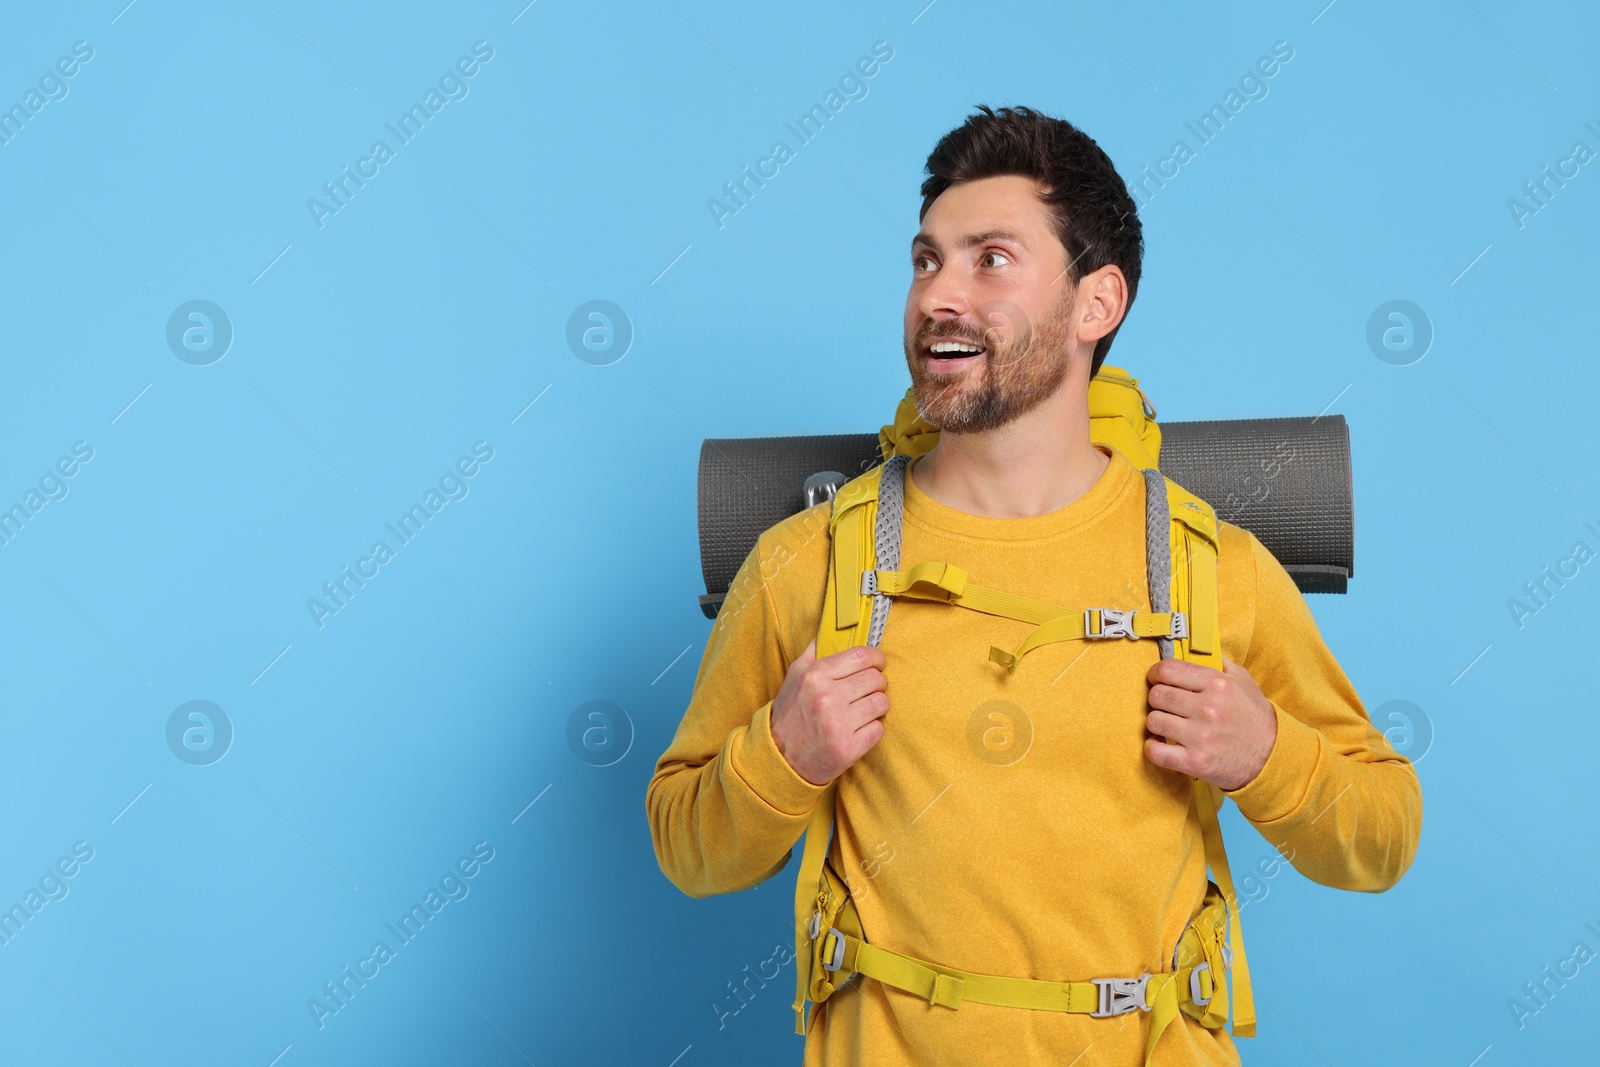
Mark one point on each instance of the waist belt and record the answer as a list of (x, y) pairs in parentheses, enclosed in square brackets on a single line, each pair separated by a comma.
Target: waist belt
[(1194, 986)]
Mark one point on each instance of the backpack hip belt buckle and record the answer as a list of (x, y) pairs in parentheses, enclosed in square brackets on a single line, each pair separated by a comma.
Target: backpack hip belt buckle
[(1119, 996)]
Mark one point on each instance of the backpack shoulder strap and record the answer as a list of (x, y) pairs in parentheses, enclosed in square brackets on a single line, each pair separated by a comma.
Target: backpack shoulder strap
[(862, 537), (1187, 525)]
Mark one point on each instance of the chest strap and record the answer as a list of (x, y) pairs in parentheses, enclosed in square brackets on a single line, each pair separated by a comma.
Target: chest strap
[(947, 583)]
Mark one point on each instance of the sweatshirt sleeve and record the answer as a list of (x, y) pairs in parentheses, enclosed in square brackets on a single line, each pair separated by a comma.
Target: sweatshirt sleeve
[(725, 806), (1333, 790)]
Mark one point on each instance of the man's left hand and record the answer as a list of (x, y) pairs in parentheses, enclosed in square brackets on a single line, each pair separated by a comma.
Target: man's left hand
[(1221, 726)]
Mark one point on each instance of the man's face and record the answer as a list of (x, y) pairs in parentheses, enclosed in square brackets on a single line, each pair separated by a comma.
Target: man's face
[(987, 271)]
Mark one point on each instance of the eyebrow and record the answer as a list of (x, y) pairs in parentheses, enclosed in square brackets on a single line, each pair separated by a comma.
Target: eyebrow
[(923, 238)]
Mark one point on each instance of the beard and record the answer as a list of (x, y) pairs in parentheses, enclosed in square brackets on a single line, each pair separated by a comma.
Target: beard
[(1023, 366)]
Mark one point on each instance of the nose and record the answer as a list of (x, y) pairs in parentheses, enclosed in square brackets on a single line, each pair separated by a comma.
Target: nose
[(944, 297)]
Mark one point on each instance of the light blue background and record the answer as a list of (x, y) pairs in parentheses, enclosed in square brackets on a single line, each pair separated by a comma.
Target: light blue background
[(425, 316)]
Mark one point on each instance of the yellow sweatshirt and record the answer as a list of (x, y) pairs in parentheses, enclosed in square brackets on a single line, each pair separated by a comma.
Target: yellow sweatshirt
[(1011, 824)]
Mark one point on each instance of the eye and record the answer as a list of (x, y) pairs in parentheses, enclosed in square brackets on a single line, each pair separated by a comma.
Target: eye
[(992, 255), (919, 259)]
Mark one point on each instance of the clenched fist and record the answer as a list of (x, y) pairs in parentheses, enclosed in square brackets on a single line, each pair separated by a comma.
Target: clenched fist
[(829, 711)]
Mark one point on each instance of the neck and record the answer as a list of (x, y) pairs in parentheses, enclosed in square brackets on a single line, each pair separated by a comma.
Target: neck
[(1037, 463)]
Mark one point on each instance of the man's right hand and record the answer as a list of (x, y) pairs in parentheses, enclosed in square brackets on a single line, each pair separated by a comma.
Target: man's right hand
[(829, 711)]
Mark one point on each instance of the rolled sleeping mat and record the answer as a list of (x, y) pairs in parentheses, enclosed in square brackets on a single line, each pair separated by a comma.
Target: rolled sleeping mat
[(1286, 480)]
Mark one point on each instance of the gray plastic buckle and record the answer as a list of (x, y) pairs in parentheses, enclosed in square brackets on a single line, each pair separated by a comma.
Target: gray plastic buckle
[(1119, 996), (869, 583), (1180, 624), (816, 925), (838, 951), (1194, 984), (1113, 623)]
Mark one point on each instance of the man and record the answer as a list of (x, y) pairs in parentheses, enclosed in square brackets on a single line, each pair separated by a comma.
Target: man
[(1075, 853)]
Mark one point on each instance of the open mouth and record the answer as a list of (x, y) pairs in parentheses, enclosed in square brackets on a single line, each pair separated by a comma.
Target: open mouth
[(951, 355)]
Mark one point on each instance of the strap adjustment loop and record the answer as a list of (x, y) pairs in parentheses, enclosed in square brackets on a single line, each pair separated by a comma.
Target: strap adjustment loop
[(837, 960), (947, 990)]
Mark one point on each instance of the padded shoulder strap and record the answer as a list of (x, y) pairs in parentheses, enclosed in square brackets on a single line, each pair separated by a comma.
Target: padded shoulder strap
[(1193, 590), (862, 489), (861, 540)]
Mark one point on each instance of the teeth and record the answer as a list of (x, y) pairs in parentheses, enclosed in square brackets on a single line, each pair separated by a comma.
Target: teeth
[(953, 346)]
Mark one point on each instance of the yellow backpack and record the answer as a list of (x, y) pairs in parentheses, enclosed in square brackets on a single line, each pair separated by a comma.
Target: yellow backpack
[(865, 572)]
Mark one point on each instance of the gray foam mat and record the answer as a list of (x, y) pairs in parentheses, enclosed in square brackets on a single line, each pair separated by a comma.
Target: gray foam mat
[(1286, 480)]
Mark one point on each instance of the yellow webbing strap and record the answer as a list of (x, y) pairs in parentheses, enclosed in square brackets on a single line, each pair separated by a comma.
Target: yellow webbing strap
[(1070, 628), (1202, 567), (949, 986), (932, 580), (805, 897), (845, 611), (846, 568), (947, 583), (1207, 799), (1161, 993)]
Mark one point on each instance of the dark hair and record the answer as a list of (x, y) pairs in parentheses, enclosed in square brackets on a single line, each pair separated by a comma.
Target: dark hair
[(1096, 220)]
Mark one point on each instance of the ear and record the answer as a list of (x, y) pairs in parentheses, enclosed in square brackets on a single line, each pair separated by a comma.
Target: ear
[(1102, 302)]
